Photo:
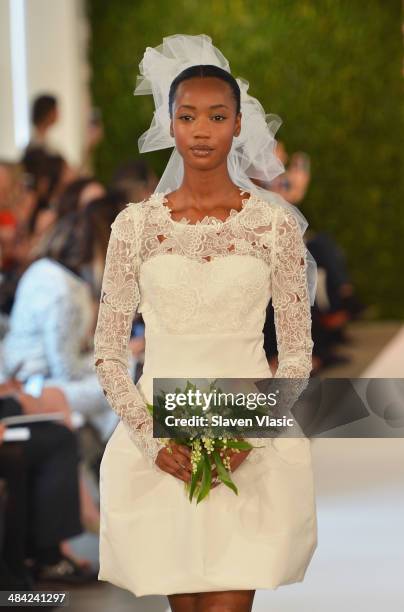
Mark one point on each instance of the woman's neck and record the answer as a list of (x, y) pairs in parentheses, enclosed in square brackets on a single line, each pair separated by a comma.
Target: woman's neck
[(211, 185)]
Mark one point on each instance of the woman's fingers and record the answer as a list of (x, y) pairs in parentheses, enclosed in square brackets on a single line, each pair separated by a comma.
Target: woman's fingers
[(182, 450), (177, 470), (175, 464), (175, 460), (182, 455)]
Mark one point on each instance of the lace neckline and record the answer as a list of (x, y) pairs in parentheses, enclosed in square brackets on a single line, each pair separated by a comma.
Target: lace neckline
[(160, 200)]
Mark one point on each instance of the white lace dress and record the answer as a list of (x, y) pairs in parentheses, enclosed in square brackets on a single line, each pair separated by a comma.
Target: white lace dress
[(202, 290)]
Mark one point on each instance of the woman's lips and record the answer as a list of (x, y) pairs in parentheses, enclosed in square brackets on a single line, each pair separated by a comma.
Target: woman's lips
[(201, 151)]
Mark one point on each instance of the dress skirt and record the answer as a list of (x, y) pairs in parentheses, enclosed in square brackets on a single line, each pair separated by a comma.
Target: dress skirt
[(154, 541)]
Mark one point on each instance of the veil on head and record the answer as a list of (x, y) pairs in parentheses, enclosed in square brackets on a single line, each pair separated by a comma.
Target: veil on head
[(252, 155)]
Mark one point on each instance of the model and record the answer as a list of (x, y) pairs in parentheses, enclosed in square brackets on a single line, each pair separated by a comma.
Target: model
[(200, 259)]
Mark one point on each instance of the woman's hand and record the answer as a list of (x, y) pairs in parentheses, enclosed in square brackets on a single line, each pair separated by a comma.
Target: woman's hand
[(236, 459), (10, 387), (3, 428), (51, 399), (176, 461)]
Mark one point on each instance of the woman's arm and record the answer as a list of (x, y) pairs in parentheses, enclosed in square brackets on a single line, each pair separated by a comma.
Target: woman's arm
[(290, 298), (118, 304), (291, 303)]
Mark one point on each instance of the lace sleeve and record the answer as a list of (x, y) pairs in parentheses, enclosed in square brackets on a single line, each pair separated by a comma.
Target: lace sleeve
[(290, 299), (291, 302), (118, 303)]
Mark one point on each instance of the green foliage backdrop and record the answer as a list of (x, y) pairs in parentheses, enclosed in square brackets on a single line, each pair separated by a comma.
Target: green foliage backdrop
[(330, 68)]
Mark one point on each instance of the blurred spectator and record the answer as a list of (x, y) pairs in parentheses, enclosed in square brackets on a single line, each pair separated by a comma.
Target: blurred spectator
[(48, 176), (78, 194), (44, 115), (51, 322), (8, 233), (40, 506), (335, 303), (15, 209), (292, 184), (98, 217), (135, 180)]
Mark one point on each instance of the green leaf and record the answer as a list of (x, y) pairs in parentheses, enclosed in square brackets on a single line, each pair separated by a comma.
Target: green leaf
[(206, 478), (189, 386), (241, 444)]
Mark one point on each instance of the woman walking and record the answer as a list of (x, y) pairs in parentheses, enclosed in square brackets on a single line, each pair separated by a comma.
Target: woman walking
[(200, 259)]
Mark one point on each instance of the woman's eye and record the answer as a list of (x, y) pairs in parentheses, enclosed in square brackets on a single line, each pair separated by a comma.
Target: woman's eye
[(219, 117), (185, 117)]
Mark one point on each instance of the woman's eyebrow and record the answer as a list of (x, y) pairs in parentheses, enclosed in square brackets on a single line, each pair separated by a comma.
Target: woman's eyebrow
[(194, 107)]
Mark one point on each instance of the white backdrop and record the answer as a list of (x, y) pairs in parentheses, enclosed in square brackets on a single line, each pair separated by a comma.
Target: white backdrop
[(43, 49)]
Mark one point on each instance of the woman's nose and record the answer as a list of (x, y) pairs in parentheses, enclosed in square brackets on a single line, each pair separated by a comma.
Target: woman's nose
[(201, 128)]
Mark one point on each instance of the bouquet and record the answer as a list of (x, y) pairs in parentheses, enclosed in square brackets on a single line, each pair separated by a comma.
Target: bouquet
[(207, 452)]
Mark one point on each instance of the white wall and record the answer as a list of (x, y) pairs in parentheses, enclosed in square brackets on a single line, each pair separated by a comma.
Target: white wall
[(56, 34), (7, 142)]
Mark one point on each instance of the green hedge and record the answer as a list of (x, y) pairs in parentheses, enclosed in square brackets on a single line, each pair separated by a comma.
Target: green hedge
[(331, 69)]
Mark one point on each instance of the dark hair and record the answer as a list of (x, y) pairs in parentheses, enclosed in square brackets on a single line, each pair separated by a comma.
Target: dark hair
[(34, 163), (131, 178), (65, 242), (98, 216), (204, 70), (70, 198), (37, 163), (41, 107), (133, 169), (74, 239)]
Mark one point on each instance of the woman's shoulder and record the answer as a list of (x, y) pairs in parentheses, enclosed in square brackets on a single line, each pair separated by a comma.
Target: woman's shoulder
[(284, 216), (46, 273), (44, 268), (134, 214)]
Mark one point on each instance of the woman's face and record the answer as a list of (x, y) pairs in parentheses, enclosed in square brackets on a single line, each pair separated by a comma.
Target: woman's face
[(204, 122)]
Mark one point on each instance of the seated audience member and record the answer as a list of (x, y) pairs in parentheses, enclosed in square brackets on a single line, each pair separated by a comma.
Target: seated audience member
[(48, 175), (40, 508), (51, 322), (16, 206), (329, 315), (78, 194), (98, 217), (135, 180), (342, 303)]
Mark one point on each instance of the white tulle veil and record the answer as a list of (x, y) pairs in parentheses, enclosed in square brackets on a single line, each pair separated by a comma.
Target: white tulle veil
[(252, 155)]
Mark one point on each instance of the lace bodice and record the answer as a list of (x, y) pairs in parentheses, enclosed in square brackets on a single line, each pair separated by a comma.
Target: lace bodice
[(205, 279)]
